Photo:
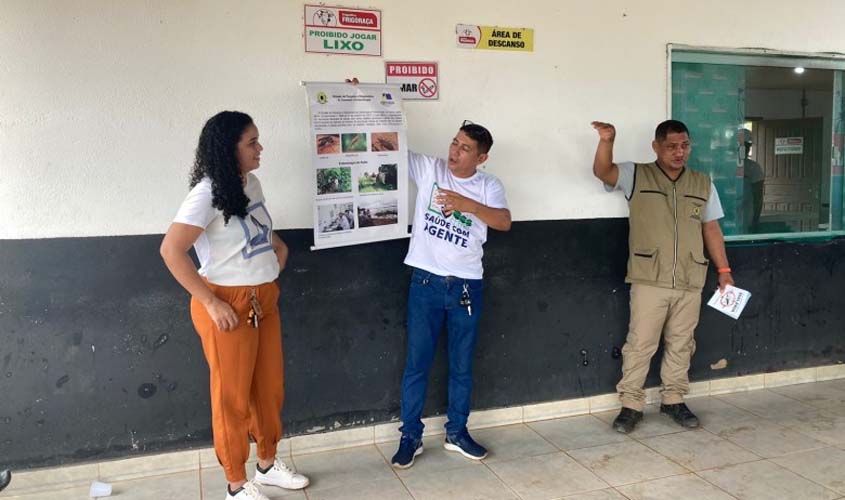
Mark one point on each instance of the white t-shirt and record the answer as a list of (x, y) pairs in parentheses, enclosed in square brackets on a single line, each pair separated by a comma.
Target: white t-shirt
[(449, 246), (239, 253), (625, 183)]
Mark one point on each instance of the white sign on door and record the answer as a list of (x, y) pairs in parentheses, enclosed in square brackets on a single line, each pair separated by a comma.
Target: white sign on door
[(789, 145)]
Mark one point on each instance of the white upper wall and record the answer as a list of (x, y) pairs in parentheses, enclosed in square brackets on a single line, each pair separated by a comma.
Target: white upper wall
[(102, 101)]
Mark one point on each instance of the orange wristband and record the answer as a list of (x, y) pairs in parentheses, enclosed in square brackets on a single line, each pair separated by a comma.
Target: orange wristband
[(723, 270)]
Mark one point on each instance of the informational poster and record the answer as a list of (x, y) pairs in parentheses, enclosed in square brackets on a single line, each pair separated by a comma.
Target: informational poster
[(789, 145), (469, 36), (359, 163), (341, 30), (416, 80)]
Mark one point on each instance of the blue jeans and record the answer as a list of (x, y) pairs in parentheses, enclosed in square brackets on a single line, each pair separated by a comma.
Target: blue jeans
[(432, 302)]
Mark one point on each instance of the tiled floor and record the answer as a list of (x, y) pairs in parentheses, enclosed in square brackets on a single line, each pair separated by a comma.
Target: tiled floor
[(772, 444)]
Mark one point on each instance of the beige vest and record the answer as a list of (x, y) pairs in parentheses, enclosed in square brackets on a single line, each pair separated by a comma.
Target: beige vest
[(665, 242)]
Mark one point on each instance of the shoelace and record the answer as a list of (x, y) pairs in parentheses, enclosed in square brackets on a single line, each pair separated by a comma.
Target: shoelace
[(278, 464), (253, 491)]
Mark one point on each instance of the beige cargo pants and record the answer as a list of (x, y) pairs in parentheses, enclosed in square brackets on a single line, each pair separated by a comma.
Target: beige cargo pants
[(655, 311)]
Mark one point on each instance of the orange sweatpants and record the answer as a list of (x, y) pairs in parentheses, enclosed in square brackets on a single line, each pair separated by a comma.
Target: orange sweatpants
[(246, 375)]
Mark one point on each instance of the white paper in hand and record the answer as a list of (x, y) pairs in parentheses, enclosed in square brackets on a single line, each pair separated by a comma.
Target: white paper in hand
[(732, 302)]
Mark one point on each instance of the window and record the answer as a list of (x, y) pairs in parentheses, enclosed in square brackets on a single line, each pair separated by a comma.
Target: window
[(768, 129)]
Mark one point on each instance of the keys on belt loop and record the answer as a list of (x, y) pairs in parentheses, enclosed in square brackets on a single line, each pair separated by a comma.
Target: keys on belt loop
[(254, 309), (465, 300)]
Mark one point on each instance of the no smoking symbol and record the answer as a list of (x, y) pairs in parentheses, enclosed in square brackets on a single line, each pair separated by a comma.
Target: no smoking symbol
[(427, 87)]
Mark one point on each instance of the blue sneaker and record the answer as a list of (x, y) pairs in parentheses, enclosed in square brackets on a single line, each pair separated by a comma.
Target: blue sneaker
[(465, 445), (409, 448)]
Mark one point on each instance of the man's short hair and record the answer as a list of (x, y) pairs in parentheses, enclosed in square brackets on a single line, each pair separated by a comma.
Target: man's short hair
[(669, 127), (478, 134)]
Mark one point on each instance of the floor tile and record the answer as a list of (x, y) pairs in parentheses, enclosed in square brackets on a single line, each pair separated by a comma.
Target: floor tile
[(819, 394), (577, 432), (767, 404), (737, 384), (547, 476), (608, 494), (495, 418), (346, 438), (768, 439), (799, 430), (626, 463), (652, 424), (51, 478), (383, 489), (765, 480), (555, 409), (825, 466), (819, 424), (181, 486), (830, 372), (80, 493), (604, 402), (434, 457), (836, 410), (347, 467), (150, 465), (790, 377), (686, 487), (699, 450), (512, 441), (465, 483), (716, 415)]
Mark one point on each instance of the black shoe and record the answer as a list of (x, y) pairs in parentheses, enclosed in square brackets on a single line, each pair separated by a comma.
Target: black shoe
[(463, 443), (5, 478), (409, 448), (681, 415), (627, 420)]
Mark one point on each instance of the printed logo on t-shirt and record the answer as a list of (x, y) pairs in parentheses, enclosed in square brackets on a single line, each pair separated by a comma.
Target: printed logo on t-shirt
[(435, 208), (257, 226), (453, 228)]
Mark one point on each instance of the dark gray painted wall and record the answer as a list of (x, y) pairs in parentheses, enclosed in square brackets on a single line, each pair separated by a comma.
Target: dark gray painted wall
[(98, 357)]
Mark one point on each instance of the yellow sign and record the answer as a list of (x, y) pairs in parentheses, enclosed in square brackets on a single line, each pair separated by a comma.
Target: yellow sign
[(494, 38)]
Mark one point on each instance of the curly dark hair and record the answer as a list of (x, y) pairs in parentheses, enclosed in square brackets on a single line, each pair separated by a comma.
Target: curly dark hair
[(217, 159)]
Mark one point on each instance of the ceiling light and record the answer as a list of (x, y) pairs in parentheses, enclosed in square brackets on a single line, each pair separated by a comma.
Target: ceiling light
[(799, 70)]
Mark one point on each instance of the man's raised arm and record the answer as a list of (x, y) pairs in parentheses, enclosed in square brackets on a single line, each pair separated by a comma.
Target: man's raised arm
[(603, 166)]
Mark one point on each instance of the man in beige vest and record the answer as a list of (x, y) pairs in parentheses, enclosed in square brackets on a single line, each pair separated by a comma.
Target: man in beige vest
[(674, 214)]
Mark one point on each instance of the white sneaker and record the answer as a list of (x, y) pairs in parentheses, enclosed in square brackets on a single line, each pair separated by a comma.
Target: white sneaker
[(248, 492), (282, 476)]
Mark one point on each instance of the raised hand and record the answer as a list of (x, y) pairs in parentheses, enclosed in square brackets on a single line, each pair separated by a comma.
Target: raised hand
[(607, 132)]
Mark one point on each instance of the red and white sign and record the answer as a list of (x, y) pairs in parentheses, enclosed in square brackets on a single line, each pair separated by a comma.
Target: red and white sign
[(416, 80), (340, 30), (789, 145)]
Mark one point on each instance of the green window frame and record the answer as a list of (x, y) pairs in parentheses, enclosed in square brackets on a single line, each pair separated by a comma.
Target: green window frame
[(707, 90)]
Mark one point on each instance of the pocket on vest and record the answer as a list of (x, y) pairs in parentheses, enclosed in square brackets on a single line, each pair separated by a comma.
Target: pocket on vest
[(694, 210), (697, 270), (644, 264)]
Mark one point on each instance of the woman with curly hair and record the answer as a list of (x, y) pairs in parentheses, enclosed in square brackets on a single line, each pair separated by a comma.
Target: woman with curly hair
[(234, 300)]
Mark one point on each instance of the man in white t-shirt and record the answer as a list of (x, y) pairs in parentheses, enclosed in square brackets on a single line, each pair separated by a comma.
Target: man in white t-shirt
[(456, 203)]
